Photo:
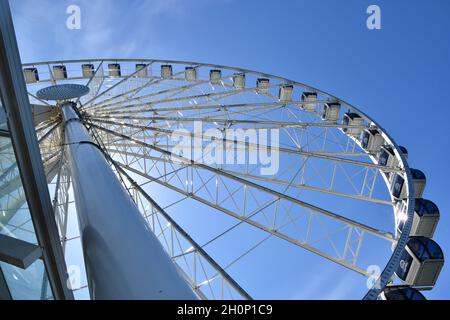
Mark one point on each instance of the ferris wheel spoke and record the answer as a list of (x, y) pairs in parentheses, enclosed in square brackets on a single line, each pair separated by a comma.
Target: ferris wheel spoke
[(96, 83), (277, 194), (189, 246), (319, 155), (56, 124), (61, 198), (349, 261), (175, 90), (94, 86), (273, 124), (219, 107), (135, 91), (329, 190), (125, 79), (49, 156), (220, 172), (125, 93), (286, 127), (50, 144), (129, 151), (207, 96), (327, 187), (305, 186), (221, 112), (266, 116), (45, 125), (141, 135), (52, 78)]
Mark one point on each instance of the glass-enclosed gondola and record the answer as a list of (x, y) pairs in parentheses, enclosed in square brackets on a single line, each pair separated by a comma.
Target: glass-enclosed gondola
[(426, 217), (331, 111), (352, 119), (401, 293), (398, 186), (371, 140), (421, 262)]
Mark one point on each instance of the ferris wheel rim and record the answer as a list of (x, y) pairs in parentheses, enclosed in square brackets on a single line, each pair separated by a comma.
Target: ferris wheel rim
[(392, 264)]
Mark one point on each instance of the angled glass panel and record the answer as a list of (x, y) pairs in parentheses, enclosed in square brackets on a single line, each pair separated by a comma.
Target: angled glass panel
[(15, 221)]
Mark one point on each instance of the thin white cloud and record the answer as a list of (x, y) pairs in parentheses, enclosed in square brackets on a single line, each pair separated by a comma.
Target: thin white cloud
[(126, 28)]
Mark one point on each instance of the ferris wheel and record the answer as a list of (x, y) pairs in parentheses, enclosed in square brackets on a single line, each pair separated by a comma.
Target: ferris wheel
[(236, 173)]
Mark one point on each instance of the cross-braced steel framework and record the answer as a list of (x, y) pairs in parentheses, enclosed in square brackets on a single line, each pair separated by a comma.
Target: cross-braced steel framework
[(326, 197)]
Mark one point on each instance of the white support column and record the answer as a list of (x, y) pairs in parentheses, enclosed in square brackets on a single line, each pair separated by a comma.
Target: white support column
[(123, 258)]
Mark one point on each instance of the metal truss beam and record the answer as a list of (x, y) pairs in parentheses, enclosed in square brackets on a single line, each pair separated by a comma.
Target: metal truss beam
[(195, 246), (265, 179), (254, 185), (319, 155)]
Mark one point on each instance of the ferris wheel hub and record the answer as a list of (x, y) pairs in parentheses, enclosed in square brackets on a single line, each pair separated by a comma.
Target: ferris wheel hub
[(63, 92)]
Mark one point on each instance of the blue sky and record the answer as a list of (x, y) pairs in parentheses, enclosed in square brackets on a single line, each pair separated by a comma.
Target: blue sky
[(399, 75)]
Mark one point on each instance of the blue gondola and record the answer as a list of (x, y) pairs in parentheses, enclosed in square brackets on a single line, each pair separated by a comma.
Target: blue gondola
[(421, 262), (401, 293), (331, 111), (371, 140), (398, 185), (353, 119), (426, 218)]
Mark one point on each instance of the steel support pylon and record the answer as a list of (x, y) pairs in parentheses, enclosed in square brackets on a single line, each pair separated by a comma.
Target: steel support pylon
[(123, 258)]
